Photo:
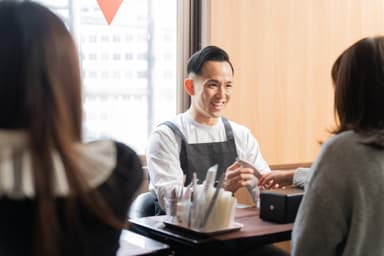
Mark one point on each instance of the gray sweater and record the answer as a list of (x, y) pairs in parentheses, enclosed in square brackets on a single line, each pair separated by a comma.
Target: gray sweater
[(342, 212), (300, 177)]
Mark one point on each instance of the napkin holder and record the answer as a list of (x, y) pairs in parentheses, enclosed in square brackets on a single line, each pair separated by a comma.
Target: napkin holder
[(280, 205)]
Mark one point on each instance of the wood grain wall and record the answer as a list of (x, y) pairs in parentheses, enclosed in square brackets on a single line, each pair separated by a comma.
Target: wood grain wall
[(283, 51)]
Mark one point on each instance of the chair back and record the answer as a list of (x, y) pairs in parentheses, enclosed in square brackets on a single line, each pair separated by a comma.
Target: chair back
[(143, 205)]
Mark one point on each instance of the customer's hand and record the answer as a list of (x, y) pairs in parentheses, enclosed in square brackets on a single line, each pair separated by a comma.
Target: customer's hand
[(275, 179)]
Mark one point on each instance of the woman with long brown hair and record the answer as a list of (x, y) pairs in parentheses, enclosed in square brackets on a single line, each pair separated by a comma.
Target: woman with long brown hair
[(58, 196), (342, 211)]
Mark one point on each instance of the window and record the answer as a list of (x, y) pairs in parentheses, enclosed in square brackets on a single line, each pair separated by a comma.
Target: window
[(124, 65)]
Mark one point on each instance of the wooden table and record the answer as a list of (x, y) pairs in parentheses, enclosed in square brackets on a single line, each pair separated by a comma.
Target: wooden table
[(255, 231)]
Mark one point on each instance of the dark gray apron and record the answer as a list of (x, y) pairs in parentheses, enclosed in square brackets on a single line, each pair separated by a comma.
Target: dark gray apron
[(199, 157)]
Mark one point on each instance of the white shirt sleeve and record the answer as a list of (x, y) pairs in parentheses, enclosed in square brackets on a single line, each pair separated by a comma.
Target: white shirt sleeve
[(248, 148), (163, 162)]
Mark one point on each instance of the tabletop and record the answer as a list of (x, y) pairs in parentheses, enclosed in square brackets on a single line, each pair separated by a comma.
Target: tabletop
[(254, 230)]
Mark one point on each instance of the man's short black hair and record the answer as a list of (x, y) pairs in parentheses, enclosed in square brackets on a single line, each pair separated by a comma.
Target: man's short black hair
[(209, 53)]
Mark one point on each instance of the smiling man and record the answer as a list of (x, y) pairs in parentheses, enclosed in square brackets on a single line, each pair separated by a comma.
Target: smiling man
[(199, 138)]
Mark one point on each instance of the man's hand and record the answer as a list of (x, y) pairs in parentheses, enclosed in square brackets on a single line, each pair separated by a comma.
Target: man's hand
[(237, 177)]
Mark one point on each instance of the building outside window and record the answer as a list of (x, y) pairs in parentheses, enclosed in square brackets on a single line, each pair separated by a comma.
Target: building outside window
[(128, 68)]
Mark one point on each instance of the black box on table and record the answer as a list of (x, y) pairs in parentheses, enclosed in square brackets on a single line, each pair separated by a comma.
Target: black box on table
[(280, 205)]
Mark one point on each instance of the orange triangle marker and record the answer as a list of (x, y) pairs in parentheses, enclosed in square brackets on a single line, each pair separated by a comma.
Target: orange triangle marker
[(109, 8)]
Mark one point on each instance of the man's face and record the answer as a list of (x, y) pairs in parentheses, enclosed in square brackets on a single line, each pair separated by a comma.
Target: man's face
[(211, 91)]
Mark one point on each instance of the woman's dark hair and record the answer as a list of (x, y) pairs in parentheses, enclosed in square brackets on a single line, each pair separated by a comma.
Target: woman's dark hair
[(358, 77), (209, 53), (40, 93)]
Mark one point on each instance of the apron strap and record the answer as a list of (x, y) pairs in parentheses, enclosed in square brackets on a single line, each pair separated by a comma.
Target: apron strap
[(228, 129), (183, 151)]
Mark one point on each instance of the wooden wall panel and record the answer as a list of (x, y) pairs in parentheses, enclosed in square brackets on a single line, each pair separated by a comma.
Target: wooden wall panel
[(283, 51)]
